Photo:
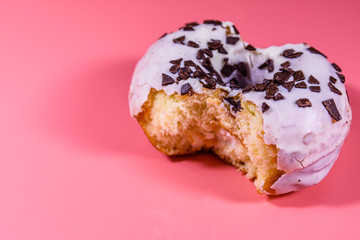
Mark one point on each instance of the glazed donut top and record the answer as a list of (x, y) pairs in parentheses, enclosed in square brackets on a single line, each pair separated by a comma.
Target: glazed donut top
[(302, 96)]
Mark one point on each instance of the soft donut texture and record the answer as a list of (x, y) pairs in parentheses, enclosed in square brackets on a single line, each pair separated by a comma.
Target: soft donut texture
[(279, 114)]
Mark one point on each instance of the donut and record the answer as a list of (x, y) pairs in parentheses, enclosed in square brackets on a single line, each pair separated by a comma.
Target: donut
[(280, 115)]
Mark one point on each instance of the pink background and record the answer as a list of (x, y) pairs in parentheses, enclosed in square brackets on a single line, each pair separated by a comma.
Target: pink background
[(75, 165)]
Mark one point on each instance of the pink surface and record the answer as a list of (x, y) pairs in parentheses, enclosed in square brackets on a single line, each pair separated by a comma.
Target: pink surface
[(74, 165)]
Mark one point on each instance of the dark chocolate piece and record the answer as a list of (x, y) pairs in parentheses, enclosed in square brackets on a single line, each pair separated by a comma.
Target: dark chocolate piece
[(264, 107), (342, 77), (214, 44), (235, 29), (269, 64), (301, 84), (193, 44), (186, 88), (290, 53), (334, 89), (336, 67), (166, 80), (232, 40), (260, 87), (249, 47), (303, 102), (281, 77), (288, 85), (278, 97), (332, 79), (174, 69), (236, 104), (191, 24), (271, 90), (179, 40), (285, 64), (313, 80), (227, 70), (189, 63), (242, 67), (298, 76), (222, 50), (209, 83), (315, 88), (247, 89), (315, 51), (188, 28), (206, 63), (214, 22), (177, 61), (208, 52), (332, 109)]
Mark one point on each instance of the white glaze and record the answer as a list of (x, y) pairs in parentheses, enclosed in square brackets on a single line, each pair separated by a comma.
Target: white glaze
[(308, 140)]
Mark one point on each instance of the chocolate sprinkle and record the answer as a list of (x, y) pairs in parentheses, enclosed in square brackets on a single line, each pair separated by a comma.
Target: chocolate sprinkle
[(269, 64), (179, 40), (250, 48), (313, 80), (166, 80), (332, 79), (332, 109), (303, 102), (186, 88), (334, 89), (281, 77), (193, 44), (298, 76), (260, 87), (301, 85), (264, 107), (288, 85), (278, 97), (290, 53), (227, 70), (315, 88), (315, 51), (342, 77), (336, 67), (247, 89), (242, 67), (235, 29), (285, 64), (271, 90), (232, 40)]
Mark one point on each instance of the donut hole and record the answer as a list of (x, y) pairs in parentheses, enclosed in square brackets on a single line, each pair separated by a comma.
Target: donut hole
[(178, 125)]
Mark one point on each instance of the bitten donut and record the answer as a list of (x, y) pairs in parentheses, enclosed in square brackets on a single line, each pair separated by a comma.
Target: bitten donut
[(279, 114)]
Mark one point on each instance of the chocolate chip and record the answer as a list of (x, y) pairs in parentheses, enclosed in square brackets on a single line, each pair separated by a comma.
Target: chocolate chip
[(177, 61), (332, 109), (269, 64), (278, 97), (264, 107), (232, 40), (288, 85), (332, 79), (166, 80), (174, 69), (315, 88), (227, 70), (206, 63), (281, 77), (303, 102), (290, 53), (179, 40), (271, 90), (260, 87), (313, 80), (186, 88), (235, 29), (285, 64), (214, 22), (188, 28), (342, 77), (250, 48), (193, 44), (298, 76), (242, 67), (301, 85), (247, 89), (315, 51), (222, 50), (336, 67), (163, 35), (334, 89)]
